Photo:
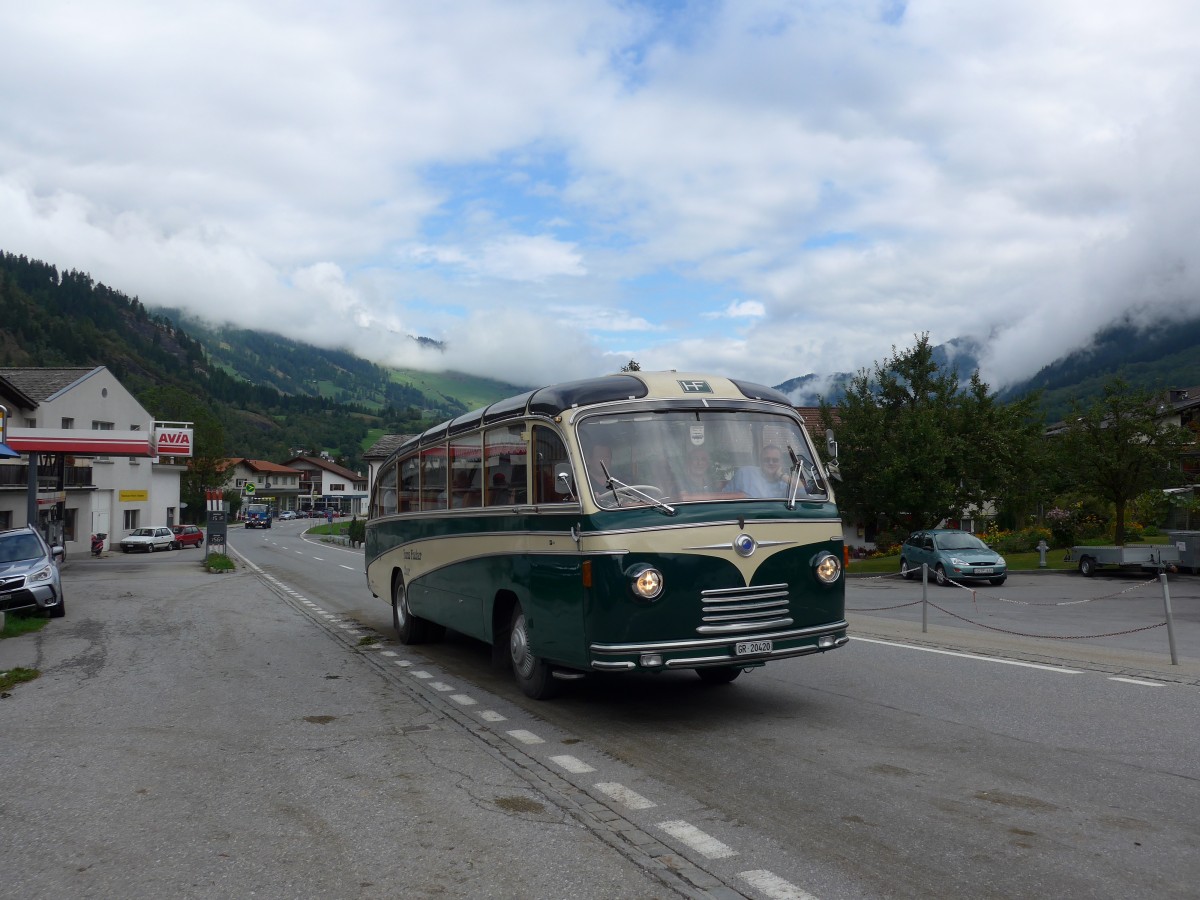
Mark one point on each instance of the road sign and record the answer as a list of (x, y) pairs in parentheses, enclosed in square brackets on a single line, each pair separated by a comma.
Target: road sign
[(250, 488)]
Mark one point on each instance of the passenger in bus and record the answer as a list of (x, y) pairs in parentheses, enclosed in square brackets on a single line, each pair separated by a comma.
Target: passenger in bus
[(768, 479), (697, 476)]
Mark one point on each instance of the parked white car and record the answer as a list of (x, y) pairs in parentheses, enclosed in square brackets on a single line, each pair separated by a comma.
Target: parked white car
[(159, 537)]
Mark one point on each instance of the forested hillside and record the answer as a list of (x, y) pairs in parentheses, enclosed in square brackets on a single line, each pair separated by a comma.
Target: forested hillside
[(267, 405)]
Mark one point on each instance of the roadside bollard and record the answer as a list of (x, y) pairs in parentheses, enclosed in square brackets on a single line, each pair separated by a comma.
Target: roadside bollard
[(1162, 576), (1042, 547), (924, 598)]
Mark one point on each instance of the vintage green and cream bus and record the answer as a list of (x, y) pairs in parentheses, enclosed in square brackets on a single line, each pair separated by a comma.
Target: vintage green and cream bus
[(644, 521)]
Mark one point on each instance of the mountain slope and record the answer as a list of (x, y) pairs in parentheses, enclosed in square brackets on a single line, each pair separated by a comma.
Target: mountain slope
[(1167, 357), (267, 397)]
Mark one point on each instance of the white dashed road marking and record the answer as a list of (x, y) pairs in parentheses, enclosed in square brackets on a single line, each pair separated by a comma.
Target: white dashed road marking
[(774, 886), (525, 737), (1138, 681), (702, 843), (624, 796), (573, 765)]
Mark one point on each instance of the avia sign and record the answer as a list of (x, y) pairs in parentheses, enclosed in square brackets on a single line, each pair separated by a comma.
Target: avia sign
[(173, 441)]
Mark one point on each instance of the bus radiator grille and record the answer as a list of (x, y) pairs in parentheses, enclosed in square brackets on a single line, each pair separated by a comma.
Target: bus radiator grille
[(735, 610)]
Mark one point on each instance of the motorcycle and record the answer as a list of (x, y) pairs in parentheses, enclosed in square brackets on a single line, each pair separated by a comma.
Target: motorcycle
[(98, 543)]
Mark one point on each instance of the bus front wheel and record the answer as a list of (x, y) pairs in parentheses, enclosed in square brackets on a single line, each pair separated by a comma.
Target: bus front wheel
[(533, 675), (409, 628)]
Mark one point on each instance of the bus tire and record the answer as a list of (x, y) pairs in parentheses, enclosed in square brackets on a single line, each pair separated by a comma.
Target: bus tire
[(719, 674), (533, 675), (409, 628)]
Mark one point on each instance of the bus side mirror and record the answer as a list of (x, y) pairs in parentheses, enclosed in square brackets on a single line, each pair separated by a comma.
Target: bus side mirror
[(832, 468), (562, 479)]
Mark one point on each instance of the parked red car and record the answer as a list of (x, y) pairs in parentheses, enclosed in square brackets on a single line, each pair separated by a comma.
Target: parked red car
[(187, 536)]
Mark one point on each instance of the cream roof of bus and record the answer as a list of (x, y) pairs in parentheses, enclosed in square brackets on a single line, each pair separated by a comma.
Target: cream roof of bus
[(555, 399)]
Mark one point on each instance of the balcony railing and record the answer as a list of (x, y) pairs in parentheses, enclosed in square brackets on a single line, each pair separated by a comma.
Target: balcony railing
[(73, 477)]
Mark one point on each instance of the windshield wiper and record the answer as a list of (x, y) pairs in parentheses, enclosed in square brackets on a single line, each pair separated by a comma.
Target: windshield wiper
[(798, 464), (613, 484)]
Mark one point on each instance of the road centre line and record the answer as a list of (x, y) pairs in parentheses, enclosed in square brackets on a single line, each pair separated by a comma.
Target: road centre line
[(1139, 681), (992, 659)]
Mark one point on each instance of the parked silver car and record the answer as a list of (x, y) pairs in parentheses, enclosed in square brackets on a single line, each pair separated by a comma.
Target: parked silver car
[(29, 576), (149, 539)]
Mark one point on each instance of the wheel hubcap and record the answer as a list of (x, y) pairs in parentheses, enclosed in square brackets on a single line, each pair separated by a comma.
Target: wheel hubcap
[(518, 649)]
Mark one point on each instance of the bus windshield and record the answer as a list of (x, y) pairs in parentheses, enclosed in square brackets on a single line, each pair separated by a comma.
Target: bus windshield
[(638, 458)]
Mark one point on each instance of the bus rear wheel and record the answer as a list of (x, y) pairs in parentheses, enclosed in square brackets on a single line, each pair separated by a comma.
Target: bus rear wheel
[(409, 628), (534, 676), (719, 674)]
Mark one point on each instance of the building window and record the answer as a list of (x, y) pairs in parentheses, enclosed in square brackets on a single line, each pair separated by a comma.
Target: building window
[(337, 487), (31, 423), (69, 524), (101, 426), (131, 519), (68, 423), (5, 519)]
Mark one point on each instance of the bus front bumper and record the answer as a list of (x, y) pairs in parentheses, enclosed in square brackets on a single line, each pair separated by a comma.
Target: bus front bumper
[(748, 650)]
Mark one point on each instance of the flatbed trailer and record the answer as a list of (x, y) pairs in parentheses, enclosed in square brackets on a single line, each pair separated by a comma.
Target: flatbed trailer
[(1140, 556)]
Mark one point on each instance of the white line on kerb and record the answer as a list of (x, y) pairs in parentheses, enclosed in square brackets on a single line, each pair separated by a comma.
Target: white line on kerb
[(572, 765), (463, 699), (624, 796), (774, 886), (992, 659), (491, 716), (696, 839), (1139, 681)]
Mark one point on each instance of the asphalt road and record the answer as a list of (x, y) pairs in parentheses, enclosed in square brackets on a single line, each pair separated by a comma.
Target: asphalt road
[(967, 759)]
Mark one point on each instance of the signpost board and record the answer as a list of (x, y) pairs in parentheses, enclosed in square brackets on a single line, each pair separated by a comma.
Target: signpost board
[(215, 533)]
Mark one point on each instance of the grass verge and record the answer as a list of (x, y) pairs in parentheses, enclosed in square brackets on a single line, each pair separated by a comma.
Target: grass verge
[(16, 624), (13, 677)]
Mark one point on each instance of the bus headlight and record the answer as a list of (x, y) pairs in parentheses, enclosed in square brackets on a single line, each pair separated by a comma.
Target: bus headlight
[(646, 582), (828, 568)]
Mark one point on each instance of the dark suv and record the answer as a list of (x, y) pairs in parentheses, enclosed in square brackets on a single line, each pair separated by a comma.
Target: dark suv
[(29, 577), (951, 555)]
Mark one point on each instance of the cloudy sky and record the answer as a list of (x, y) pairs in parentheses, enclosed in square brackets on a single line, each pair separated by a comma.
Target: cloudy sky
[(758, 188)]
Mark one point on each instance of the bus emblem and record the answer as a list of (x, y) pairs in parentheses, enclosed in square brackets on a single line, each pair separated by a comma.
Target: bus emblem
[(695, 387)]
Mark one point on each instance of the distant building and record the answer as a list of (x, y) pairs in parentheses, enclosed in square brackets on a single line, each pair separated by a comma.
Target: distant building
[(95, 454), (276, 485), (324, 485)]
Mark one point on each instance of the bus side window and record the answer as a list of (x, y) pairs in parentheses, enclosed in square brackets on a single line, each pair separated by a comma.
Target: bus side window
[(385, 491), (410, 482), (465, 474), (433, 478), (550, 451), (519, 491)]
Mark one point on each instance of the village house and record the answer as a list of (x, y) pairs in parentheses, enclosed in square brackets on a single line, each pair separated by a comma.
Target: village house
[(85, 457)]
